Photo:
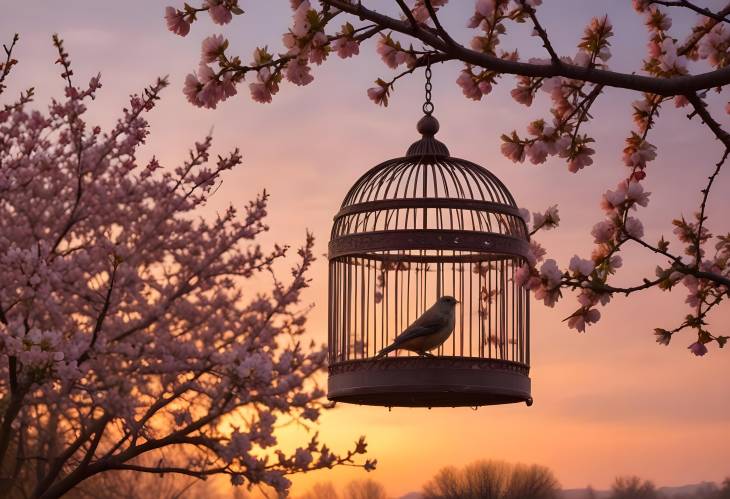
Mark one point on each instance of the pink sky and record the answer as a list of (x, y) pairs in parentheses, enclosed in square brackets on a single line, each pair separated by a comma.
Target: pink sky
[(607, 402)]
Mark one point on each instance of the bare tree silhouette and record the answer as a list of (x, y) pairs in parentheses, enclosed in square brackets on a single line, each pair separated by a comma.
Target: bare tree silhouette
[(365, 489), (324, 490), (633, 487), (493, 480)]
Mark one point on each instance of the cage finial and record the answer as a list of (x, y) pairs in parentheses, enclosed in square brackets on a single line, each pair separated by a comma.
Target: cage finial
[(428, 126)]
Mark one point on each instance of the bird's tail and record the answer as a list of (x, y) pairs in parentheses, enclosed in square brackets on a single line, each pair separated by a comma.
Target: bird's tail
[(385, 351)]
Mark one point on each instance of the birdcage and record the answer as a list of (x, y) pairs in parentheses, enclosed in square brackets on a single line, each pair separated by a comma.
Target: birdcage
[(411, 230)]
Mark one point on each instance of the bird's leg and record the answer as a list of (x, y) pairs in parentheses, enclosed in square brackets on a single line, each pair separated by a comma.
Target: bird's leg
[(424, 353)]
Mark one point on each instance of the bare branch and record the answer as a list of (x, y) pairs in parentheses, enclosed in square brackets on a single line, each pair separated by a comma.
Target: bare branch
[(720, 17)]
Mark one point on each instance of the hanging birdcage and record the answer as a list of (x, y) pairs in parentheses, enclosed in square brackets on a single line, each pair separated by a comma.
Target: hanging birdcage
[(410, 231)]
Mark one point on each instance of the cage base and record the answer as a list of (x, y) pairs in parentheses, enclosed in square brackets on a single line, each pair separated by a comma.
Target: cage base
[(429, 382)]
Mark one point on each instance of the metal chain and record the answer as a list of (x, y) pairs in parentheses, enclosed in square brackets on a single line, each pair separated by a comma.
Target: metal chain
[(428, 105)]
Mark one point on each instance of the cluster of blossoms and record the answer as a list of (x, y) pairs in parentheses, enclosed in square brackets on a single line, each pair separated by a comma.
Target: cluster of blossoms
[(121, 309), (305, 43), (570, 103)]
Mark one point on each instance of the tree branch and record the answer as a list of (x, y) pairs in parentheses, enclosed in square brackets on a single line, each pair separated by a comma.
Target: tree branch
[(542, 34), (680, 85), (720, 17)]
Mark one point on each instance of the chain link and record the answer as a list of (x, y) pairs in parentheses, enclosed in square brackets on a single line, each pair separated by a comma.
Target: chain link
[(428, 105)]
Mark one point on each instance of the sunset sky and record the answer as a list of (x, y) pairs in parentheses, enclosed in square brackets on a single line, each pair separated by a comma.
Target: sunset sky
[(607, 402)]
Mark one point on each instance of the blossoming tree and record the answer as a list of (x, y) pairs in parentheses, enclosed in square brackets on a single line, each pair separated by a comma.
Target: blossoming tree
[(125, 326), (700, 263)]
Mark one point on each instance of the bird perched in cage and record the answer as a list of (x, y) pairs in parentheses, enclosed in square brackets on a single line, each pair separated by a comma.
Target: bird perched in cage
[(427, 332)]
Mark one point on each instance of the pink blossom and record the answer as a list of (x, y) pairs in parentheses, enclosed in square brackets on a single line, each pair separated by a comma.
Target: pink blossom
[(261, 90), (346, 47), (379, 94), (537, 152), (298, 72), (522, 275), (218, 11), (523, 95), (392, 55), (581, 266), (714, 45), (176, 21), (669, 60), (638, 156), (513, 151), (212, 48), (485, 8), (302, 25), (551, 274), (548, 220), (582, 58), (584, 317), (581, 160), (698, 348), (191, 89), (634, 192), (634, 228), (611, 200), (603, 231), (468, 86)]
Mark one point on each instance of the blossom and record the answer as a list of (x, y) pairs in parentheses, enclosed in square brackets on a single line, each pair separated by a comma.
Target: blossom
[(698, 348), (548, 220), (522, 94), (581, 266), (634, 228), (670, 62), (212, 48), (663, 337), (218, 11), (176, 21), (379, 94), (191, 89), (392, 54), (522, 275), (513, 151), (346, 47), (262, 90), (582, 318), (581, 158), (551, 274), (537, 152), (714, 45), (469, 87), (301, 24), (604, 231), (298, 72)]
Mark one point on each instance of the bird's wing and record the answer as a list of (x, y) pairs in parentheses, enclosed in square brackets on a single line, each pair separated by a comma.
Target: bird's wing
[(423, 329)]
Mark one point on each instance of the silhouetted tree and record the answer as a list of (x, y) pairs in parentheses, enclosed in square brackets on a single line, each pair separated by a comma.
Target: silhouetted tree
[(724, 492), (365, 489), (322, 491), (493, 480), (632, 487)]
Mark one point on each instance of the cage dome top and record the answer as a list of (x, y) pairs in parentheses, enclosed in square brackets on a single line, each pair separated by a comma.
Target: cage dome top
[(428, 200)]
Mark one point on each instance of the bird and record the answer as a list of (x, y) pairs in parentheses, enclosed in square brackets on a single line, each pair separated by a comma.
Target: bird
[(427, 332)]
